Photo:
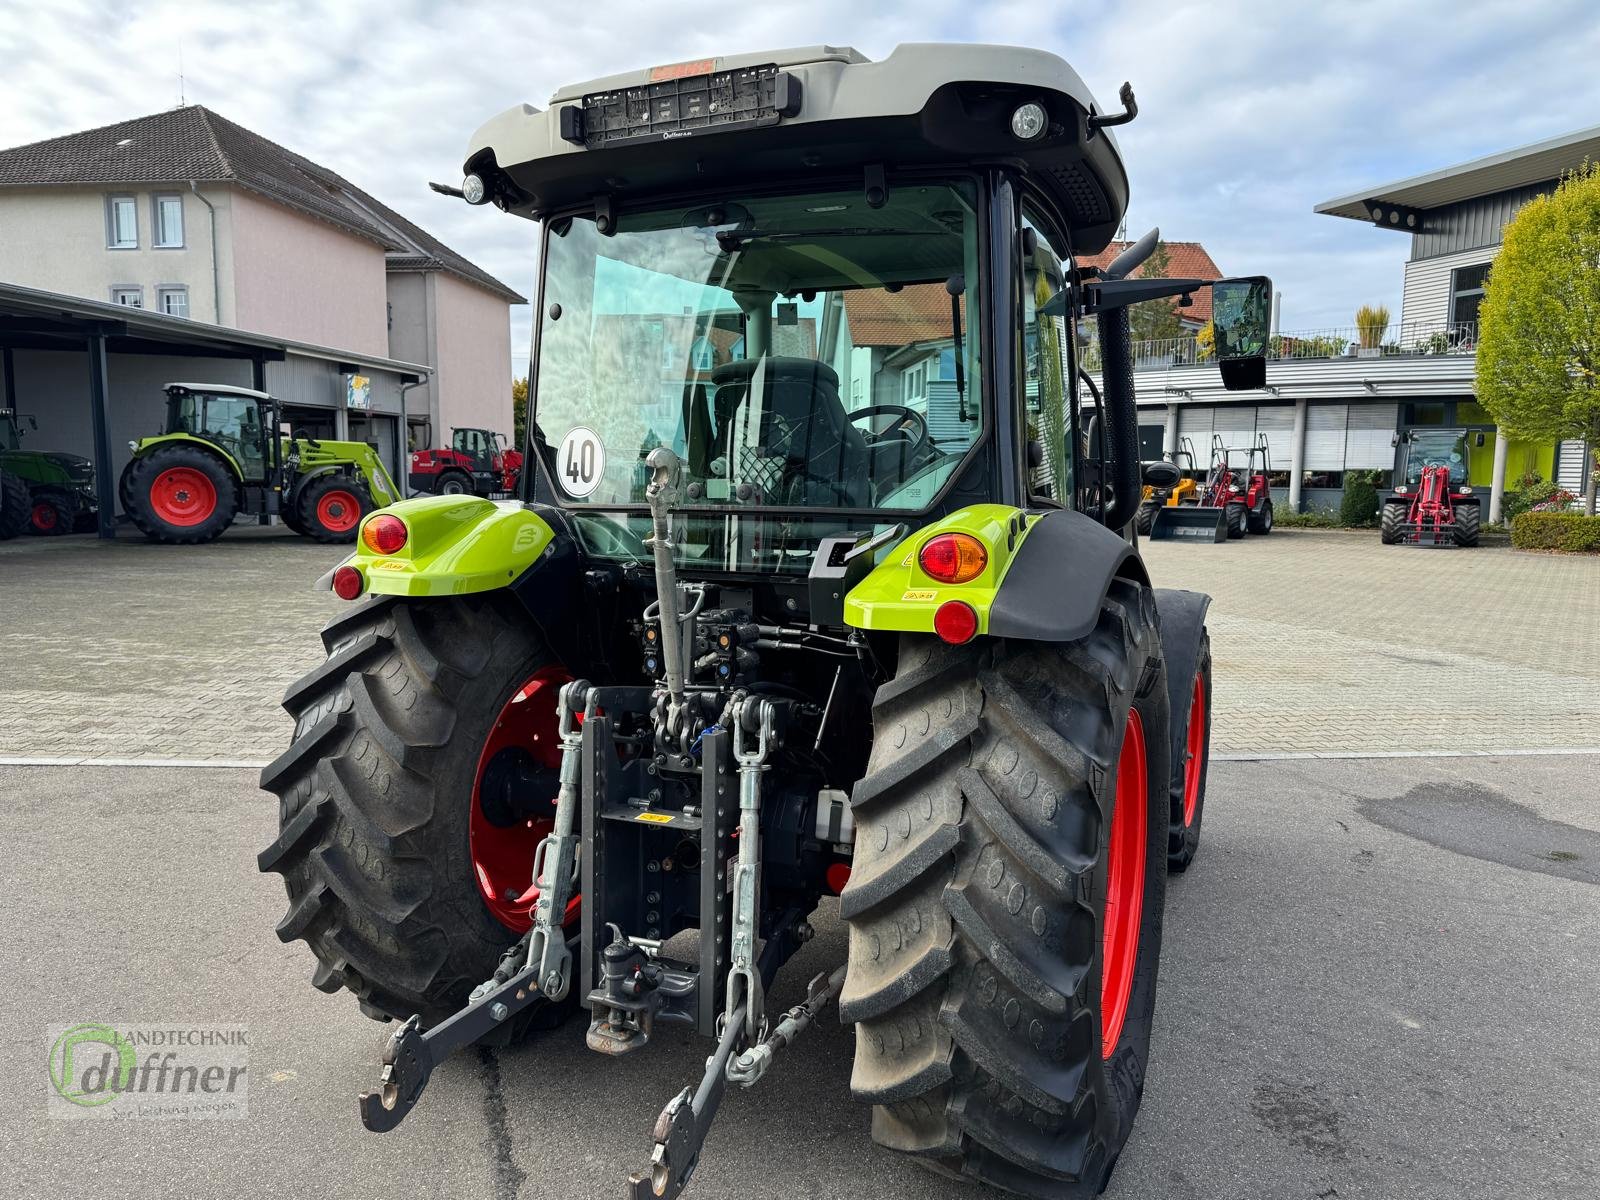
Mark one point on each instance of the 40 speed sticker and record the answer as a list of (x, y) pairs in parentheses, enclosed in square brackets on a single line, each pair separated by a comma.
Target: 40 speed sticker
[(581, 461)]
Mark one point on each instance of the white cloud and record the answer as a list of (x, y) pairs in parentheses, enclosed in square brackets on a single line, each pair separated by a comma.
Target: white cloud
[(1250, 113)]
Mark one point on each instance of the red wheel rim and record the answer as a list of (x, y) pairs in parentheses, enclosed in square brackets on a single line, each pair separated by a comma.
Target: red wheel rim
[(44, 517), (502, 856), (183, 496), (1124, 885), (1194, 765), (338, 511)]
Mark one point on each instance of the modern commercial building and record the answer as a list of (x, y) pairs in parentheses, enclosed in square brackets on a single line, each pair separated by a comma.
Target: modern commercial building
[(1335, 398), (187, 214)]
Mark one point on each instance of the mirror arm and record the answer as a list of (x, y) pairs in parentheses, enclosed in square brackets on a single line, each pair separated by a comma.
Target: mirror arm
[(1107, 294)]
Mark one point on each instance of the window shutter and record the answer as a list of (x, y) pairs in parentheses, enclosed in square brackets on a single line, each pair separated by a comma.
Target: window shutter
[(1369, 437), (1325, 432)]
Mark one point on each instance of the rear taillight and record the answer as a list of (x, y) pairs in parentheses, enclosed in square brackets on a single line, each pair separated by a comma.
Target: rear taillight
[(956, 622), (348, 583), (953, 558), (384, 534)]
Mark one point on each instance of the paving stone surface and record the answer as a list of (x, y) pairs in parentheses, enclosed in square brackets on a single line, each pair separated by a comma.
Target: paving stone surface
[(1324, 642)]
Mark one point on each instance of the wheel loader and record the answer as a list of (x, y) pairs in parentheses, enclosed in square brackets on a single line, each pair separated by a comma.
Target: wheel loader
[(223, 452), (790, 634), (1432, 504), (1185, 491)]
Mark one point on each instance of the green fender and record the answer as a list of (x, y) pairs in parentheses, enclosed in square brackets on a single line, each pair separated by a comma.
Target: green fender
[(897, 596), (1046, 578), (454, 545), (146, 445)]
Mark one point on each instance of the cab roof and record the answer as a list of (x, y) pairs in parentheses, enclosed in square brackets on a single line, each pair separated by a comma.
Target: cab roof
[(217, 389), (805, 112)]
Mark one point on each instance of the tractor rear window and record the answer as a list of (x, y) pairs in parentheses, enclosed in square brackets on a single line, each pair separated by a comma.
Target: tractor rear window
[(798, 351)]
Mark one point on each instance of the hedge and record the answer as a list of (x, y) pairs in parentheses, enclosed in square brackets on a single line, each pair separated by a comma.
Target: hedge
[(1556, 531)]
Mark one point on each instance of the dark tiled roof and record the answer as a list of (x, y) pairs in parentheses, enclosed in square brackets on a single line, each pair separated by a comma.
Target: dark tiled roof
[(194, 143)]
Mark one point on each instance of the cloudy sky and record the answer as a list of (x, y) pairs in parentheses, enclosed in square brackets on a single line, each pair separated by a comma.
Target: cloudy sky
[(1250, 114)]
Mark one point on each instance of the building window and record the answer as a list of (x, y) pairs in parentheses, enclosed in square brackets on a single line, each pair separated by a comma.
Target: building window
[(701, 356), (1466, 293), (169, 222), (128, 297), (914, 384), (122, 223), (174, 301)]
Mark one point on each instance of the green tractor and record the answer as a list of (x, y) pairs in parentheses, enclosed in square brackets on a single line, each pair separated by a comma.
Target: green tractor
[(796, 630), (223, 453), (54, 490)]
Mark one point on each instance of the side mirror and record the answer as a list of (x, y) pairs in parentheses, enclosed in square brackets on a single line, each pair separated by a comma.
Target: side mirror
[(1241, 324), (33, 424), (1162, 474), (1478, 442), (1394, 439)]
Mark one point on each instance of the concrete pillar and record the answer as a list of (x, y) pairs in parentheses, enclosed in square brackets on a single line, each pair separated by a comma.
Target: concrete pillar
[(1497, 490), (1297, 455), (100, 417), (1169, 436)]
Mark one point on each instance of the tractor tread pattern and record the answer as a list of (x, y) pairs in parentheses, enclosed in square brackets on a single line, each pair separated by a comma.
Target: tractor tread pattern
[(15, 508), (969, 977), (378, 881), (142, 472)]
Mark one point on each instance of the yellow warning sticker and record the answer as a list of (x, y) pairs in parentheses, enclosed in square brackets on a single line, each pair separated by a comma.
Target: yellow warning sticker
[(656, 818), (926, 594)]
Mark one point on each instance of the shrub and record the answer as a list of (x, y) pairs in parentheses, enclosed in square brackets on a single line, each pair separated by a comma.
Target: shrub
[(1531, 491), (1359, 507), (1568, 531), (1316, 518), (1372, 322)]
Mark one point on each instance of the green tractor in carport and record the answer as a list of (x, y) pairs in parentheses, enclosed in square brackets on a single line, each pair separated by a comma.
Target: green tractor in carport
[(54, 490), (761, 631), (223, 453)]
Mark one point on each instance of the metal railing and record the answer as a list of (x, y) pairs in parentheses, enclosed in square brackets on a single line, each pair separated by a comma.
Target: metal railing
[(1412, 339)]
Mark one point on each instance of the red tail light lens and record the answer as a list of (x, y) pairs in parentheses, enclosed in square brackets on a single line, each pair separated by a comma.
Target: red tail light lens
[(956, 622), (384, 534), (953, 558), (347, 583)]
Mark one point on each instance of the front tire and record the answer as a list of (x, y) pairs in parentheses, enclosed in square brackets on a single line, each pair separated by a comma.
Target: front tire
[(1394, 516), (377, 796), (180, 494), (988, 1034), (15, 505), (1237, 519), (329, 508), (50, 513), (1467, 527), (1183, 834), (1262, 522), (1144, 519), (453, 483)]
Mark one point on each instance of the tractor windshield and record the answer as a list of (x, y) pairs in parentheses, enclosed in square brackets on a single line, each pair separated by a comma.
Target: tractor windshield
[(1443, 448), (795, 351), (232, 423)]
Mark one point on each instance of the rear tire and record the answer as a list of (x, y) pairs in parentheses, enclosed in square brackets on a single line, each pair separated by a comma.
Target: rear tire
[(15, 505), (1237, 520), (1183, 835), (977, 904), (1467, 516), (1394, 516), (165, 494), (329, 508), (1261, 522), (375, 802)]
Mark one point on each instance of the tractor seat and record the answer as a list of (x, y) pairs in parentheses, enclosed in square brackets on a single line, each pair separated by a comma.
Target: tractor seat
[(803, 422)]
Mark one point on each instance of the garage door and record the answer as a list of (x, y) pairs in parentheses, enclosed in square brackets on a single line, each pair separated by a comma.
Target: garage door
[(1369, 437)]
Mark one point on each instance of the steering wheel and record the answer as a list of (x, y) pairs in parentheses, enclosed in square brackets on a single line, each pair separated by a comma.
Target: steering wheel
[(910, 426)]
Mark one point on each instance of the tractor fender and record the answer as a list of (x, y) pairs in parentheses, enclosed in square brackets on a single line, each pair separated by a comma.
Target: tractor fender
[(1183, 622), (1045, 579), (1059, 578), (456, 545), (146, 445)]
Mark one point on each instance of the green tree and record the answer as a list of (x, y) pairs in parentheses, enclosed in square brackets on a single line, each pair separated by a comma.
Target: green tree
[(1155, 320), (1539, 346), (519, 411)]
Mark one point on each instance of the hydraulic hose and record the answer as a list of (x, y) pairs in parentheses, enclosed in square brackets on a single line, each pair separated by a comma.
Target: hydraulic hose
[(1122, 418)]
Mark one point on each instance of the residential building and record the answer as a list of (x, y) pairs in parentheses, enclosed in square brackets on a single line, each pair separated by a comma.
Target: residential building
[(1335, 399), (190, 215)]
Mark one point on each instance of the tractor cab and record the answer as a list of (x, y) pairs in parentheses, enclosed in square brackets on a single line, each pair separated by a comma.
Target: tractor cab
[(241, 422), (1447, 448)]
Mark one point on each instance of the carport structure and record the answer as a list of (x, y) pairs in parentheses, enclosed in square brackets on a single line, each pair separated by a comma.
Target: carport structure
[(59, 344)]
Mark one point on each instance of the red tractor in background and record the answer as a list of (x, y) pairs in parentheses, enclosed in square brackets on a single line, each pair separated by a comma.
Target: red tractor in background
[(478, 463), (1432, 504), (1238, 484)]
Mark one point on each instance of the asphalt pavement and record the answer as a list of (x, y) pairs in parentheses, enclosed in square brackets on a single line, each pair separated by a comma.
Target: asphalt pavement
[(1379, 981)]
